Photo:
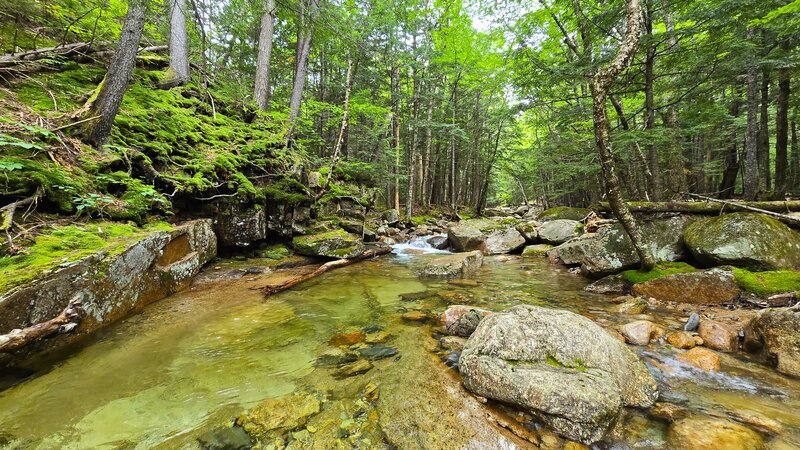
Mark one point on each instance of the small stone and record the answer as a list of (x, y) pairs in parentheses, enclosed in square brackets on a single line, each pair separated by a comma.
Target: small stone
[(353, 369), (225, 438), (681, 339), (641, 332), (452, 343), (698, 340), (415, 316), (718, 336), (376, 338), (336, 357), (668, 411), (633, 306), (758, 421), (701, 358), (707, 433), (347, 339), (378, 352), (692, 322)]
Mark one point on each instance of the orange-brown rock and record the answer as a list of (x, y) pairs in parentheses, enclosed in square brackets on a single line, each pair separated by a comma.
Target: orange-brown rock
[(681, 339), (718, 336), (641, 332), (708, 287), (347, 339), (702, 358)]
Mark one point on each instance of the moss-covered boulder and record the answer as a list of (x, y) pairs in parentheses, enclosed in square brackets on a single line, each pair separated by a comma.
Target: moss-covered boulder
[(331, 244), (530, 231), (750, 240), (610, 250), (536, 251), (563, 212)]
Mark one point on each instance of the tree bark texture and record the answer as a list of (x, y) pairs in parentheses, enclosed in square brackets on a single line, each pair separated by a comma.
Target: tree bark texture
[(261, 90), (178, 44), (115, 83), (782, 134), (763, 156), (303, 52), (751, 137)]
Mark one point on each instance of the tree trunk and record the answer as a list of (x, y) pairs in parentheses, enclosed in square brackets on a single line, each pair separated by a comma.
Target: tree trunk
[(342, 130), (751, 144), (654, 178), (782, 133), (764, 169), (412, 149), (731, 163), (261, 91), (452, 183), (601, 82), (428, 143), (304, 50), (178, 73), (112, 89), (795, 164)]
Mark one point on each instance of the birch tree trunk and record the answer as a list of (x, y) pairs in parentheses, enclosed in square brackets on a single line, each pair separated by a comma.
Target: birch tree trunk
[(178, 73), (115, 83), (261, 91), (601, 83)]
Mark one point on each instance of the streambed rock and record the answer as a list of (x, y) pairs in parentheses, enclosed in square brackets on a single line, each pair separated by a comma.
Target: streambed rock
[(503, 241), (776, 333), (559, 231), (536, 251), (708, 287), (110, 284), (452, 266), (750, 240), (707, 433), (277, 416), (461, 320), (464, 238), (331, 244), (610, 250), (559, 366)]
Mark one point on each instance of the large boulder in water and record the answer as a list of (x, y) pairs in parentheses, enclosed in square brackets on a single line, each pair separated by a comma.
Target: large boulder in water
[(332, 244), (559, 231), (750, 240), (453, 266), (464, 237), (560, 366), (709, 433), (563, 212), (610, 250), (503, 241), (776, 333)]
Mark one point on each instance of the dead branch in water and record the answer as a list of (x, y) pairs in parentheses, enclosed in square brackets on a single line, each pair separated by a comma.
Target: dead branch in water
[(274, 288), (66, 321)]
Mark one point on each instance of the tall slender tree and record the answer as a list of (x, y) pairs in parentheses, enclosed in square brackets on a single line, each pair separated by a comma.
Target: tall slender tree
[(178, 73), (261, 90), (305, 35)]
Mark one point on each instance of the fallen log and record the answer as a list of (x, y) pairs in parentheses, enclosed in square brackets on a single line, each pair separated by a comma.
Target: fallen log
[(66, 321), (274, 288), (705, 207)]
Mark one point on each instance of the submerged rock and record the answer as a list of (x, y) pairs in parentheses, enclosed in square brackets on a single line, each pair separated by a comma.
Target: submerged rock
[(559, 366), (634, 305), (707, 433), (464, 237), (276, 416), (336, 357), (750, 240), (460, 320), (610, 250), (356, 368), (776, 333), (225, 438), (378, 352), (452, 266), (702, 358), (332, 244), (503, 241), (559, 231), (708, 287)]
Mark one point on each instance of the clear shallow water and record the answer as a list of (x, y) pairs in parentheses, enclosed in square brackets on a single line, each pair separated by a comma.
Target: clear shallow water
[(198, 359)]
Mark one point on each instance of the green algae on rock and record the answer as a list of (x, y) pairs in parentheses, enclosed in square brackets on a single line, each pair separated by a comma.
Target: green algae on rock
[(332, 244)]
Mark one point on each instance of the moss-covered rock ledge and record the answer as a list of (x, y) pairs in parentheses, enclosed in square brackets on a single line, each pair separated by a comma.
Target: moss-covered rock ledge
[(111, 269)]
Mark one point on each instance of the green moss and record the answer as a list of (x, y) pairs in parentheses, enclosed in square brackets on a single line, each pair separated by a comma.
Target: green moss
[(419, 220), (769, 282), (661, 270), (578, 364), (69, 243)]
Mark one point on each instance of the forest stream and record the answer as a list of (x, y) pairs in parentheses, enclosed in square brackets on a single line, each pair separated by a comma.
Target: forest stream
[(192, 363)]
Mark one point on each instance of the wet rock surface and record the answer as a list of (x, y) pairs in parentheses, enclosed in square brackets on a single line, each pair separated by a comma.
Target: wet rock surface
[(452, 266), (559, 231), (776, 333), (464, 238), (559, 366), (706, 433), (503, 241), (709, 287), (332, 244)]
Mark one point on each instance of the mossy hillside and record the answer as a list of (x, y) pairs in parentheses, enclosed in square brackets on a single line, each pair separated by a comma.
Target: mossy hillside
[(767, 283), (661, 270), (64, 244)]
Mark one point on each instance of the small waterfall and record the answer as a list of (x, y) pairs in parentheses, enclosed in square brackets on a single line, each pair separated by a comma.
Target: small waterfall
[(417, 245)]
